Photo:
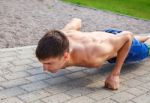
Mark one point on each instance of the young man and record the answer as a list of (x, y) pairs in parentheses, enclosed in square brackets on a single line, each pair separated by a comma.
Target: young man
[(58, 49)]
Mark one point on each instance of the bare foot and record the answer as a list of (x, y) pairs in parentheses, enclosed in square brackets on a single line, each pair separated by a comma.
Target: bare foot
[(112, 82)]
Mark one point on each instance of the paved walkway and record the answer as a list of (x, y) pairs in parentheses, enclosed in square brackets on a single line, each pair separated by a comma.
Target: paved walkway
[(23, 81)]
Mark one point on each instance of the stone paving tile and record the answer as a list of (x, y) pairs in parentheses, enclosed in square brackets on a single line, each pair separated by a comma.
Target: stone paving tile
[(76, 92), (76, 75), (24, 81), (128, 76), (22, 62), (34, 86), (5, 65), (35, 95), (82, 99), (145, 98), (37, 101), (35, 60), (121, 89), (107, 100), (130, 102), (146, 85), (144, 78), (96, 77), (19, 68), (81, 82), (61, 88), (132, 83), (58, 98), (1, 88), (2, 79), (38, 77), (35, 65), (4, 71), (13, 83), (35, 71), (101, 94), (27, 52), (8, 59), (144, 65), (140, 72), (57, 80), (16, 75), (136, 91), (26, 56), (7, 54), (142, 88), (122, 97), (11, 100), (6, 93)]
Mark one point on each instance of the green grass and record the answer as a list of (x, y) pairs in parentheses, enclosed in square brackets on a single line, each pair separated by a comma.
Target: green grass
[(136, 8)]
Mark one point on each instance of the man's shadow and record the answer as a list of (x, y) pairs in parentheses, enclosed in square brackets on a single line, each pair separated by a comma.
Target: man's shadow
[(90, 83)]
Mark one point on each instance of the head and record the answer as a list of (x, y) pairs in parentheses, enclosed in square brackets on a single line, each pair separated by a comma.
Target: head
[(53, 50)]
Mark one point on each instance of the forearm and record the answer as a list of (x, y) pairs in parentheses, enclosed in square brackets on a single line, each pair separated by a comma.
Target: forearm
[(74, 24), (122, 54)]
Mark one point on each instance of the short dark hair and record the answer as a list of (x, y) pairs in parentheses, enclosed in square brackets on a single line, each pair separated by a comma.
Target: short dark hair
[(53, 44)]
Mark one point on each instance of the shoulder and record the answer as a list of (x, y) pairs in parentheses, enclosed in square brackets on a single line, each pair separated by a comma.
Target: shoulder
[(118, 41)]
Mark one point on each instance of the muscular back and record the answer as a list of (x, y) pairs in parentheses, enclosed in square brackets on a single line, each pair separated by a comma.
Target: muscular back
[(90, 49)]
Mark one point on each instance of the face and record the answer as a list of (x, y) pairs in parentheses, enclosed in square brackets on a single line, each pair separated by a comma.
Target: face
[(54, 64)]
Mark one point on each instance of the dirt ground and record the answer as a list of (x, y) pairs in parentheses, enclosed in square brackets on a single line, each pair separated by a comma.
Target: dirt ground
[(23, 22)]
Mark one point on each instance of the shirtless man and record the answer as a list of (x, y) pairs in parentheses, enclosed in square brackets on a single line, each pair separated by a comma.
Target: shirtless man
[(58, 49)]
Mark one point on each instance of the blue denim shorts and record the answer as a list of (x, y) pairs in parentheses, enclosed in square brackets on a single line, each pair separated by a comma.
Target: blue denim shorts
[(138, 50)]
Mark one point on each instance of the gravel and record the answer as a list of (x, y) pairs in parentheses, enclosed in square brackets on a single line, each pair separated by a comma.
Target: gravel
[(23, 22)]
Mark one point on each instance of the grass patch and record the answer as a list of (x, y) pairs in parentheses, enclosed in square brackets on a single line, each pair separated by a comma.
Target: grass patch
[(136, 8)]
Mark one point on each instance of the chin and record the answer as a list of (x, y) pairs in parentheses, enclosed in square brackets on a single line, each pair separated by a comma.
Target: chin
[(54, 71)]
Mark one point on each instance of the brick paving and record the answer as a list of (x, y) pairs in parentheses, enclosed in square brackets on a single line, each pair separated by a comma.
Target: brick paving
[(22, 80)]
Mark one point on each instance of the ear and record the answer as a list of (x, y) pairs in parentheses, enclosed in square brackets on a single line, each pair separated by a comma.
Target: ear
[(66, 55)]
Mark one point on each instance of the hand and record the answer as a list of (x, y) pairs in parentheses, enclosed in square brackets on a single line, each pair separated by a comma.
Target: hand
[(112, 82)]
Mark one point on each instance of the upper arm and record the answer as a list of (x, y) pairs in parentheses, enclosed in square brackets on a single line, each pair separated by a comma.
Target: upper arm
[(119, 41), (74, 24)]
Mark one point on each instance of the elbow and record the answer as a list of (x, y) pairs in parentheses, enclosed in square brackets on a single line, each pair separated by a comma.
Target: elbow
[(78, 20), (129, 37), (128, 34), (129, 40)]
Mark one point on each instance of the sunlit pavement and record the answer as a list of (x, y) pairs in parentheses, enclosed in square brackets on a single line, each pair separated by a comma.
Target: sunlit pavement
[(22, 80)]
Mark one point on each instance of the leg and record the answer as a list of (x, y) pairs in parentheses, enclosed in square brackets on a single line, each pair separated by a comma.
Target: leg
[(141, 38), (116, 32)]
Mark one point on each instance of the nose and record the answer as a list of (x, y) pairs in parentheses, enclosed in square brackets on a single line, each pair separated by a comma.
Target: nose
[(45, 67)]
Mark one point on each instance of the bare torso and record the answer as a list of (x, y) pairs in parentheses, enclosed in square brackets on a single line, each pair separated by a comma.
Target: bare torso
[(83, 52)]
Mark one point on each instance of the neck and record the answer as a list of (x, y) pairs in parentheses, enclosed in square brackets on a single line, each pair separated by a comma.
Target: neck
[(72, 61), (69, 62)]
